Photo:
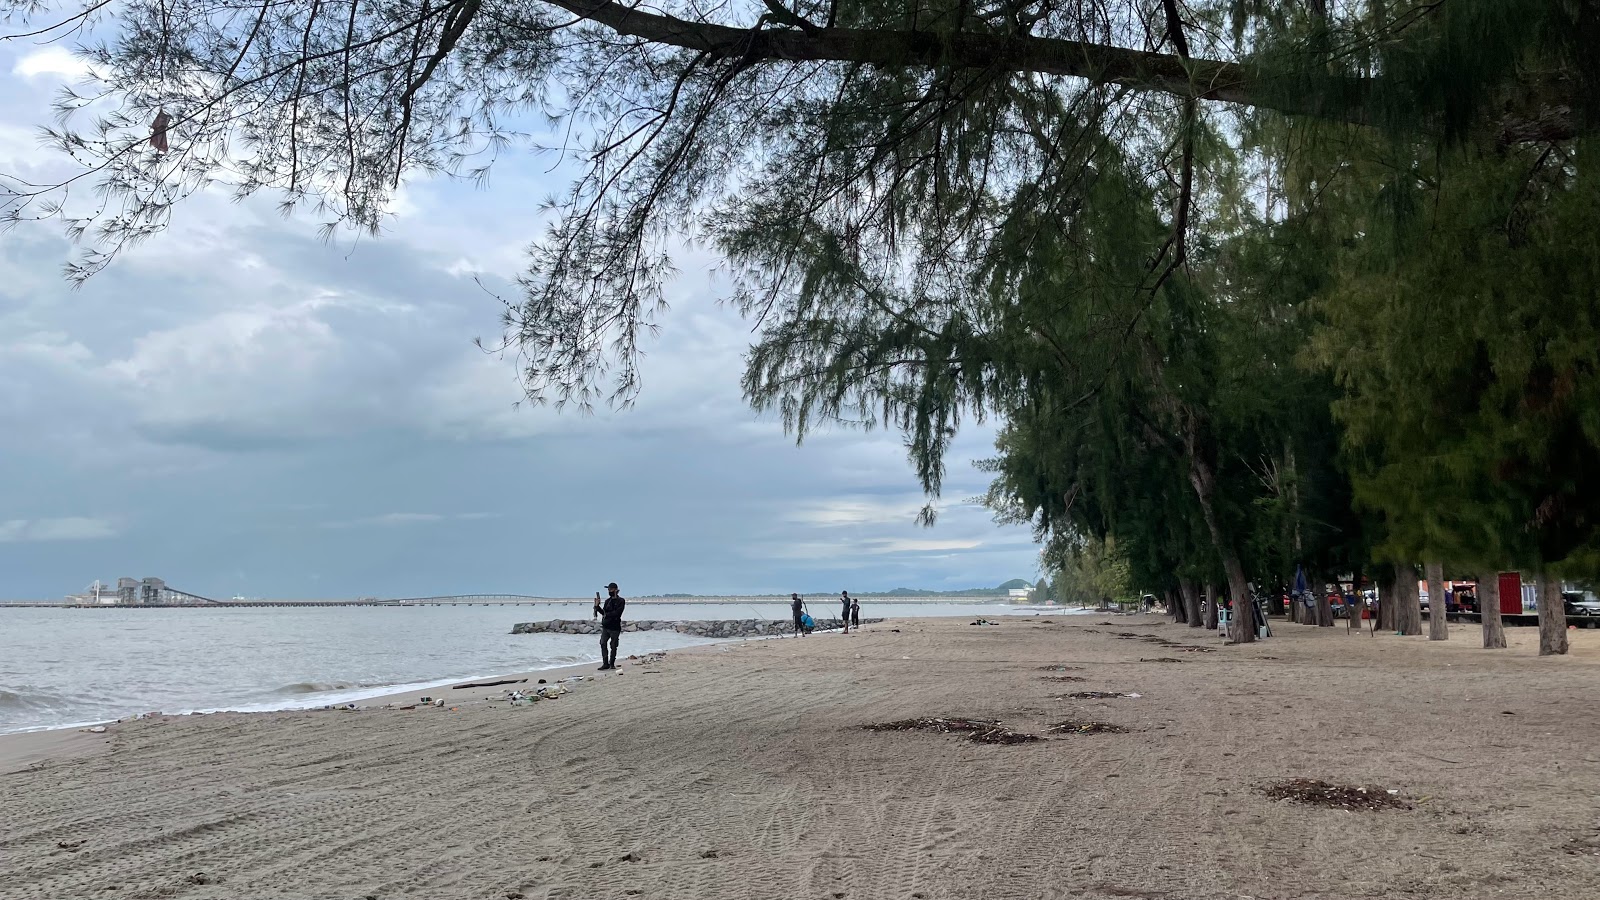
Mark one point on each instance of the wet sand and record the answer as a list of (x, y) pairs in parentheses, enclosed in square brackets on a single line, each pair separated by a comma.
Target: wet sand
[(742, 770)]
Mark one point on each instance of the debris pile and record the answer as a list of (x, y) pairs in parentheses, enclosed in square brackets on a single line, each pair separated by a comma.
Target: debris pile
[(1162, 642), (984, 731), (1076, 726), (1314, 792), (1097, 695)]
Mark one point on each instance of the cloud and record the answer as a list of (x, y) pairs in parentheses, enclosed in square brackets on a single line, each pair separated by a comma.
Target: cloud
[(71, 528), (855, 549), (394, 519), (269, 414), (850, 511), (55, 60)]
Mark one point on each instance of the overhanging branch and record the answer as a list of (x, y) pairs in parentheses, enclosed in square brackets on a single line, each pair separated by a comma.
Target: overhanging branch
[(1337, 98)]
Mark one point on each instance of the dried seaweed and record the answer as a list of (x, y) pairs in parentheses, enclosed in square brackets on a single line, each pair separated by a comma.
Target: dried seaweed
[(937, 724), (984, 731), (1076, 726), (1314, 792), (1096, 695), (1000, 734)]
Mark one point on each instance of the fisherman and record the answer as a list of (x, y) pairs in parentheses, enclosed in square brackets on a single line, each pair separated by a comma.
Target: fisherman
[(844, 610), (610, 625), (798, 606)]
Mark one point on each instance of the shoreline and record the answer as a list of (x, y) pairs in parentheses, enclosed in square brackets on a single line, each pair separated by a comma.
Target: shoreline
[(23, 748), (392, 692)]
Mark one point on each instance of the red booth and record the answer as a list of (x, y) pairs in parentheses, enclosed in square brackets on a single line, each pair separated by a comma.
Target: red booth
[(1510, 593)]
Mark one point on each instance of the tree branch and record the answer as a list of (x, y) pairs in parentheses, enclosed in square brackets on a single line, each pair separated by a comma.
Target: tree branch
[(1341, 98)]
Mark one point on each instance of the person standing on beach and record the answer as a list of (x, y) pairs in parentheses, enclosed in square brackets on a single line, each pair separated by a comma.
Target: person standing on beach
[(855, 614), (844, 610), (798, 607), (610, 625)]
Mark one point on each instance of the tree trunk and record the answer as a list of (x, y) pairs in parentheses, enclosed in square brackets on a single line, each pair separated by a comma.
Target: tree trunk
[(1438, 618), (1552, 616), (1388, 592), (1191, 603), (1494, 632), (1243, 627), (1408, 601), (1175, 605), (1324, 610), (1204, 481), (1211, 607)]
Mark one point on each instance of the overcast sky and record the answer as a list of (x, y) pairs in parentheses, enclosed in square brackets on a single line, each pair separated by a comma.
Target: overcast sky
[(240, 408)]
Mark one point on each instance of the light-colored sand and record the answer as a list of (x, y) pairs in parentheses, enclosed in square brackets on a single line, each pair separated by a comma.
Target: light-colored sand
[(744, 773)]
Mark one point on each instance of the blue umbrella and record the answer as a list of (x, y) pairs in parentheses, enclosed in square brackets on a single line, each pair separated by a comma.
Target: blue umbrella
[(1300, 580)]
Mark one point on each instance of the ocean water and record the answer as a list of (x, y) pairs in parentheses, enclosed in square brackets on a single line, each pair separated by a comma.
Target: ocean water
[(66, 667)]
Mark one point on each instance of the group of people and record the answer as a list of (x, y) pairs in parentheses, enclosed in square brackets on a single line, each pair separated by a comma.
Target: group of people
[(609, 612), (849, 613)]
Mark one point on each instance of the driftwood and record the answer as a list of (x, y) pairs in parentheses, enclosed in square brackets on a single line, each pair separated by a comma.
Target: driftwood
[(461, 687)]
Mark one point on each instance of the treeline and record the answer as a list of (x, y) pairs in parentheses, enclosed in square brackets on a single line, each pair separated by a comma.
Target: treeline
[(1394, 373)]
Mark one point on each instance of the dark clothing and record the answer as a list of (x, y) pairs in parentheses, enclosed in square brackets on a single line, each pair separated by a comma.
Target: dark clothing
[(608, 646), (611, 613), (844, 610), (855, 614)]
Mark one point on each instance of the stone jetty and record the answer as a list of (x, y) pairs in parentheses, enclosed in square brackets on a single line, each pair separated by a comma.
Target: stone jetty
[(711, 628)]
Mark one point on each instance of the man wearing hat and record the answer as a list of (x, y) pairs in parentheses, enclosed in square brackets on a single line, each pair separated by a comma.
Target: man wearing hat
[(610, 625)]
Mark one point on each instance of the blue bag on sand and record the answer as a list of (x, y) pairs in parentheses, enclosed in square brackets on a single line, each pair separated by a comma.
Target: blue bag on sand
[(807, 622)]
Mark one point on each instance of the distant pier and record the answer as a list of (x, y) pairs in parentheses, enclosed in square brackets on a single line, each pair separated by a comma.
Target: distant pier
[(181, 600)]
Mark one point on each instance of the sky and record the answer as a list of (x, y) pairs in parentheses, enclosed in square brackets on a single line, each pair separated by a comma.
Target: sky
[(241, 408)]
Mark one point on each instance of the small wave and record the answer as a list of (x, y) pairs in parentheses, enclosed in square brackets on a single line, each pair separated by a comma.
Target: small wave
[(322, 687), (28, 699)]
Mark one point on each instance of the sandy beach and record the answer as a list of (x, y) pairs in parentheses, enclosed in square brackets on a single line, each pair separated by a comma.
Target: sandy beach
[(743, 771)]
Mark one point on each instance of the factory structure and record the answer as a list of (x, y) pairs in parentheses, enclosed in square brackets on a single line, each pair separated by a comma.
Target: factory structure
[(132, 592)]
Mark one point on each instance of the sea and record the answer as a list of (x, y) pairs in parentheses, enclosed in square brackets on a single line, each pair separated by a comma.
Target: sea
[(68, 667)]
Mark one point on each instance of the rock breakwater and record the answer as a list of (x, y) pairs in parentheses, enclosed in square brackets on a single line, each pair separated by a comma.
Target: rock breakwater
[(711, 628)]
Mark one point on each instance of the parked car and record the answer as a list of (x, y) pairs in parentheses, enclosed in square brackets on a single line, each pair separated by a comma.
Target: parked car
[(1582, 608)]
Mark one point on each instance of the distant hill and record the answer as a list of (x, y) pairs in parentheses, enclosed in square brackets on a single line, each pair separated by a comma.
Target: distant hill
[(921, 592), (1014, 584)]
